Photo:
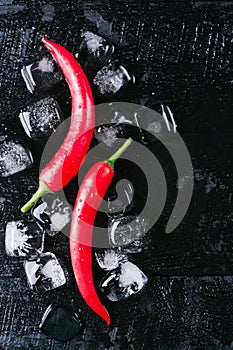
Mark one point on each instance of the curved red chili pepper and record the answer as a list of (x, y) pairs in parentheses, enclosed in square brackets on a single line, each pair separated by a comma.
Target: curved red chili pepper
[(90, 195), (67, 160)]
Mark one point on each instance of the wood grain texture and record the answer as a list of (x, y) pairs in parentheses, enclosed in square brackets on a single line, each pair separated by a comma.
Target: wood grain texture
[(171, 313), (181, 53)]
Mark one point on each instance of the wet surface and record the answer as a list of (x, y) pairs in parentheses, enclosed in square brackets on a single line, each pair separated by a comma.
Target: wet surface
[(180, 53)]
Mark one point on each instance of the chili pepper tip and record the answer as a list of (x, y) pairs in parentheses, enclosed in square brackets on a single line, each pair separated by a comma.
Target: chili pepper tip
[(37, 195), (105, 316), (48, 44), (110, 161), (44, 41), (108, 321)]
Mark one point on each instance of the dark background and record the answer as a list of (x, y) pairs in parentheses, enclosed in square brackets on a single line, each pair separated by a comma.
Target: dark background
[(181, 51)]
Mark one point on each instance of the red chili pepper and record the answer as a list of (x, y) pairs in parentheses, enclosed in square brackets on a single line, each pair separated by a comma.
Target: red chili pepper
[(66, 162), (90, 195)]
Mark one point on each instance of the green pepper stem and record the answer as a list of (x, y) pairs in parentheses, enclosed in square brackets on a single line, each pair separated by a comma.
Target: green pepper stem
[(38, 194), (110, 161)]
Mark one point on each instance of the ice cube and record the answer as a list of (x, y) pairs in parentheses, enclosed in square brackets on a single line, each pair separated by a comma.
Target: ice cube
[(52, 213), (110, 79), (23, 239), (123, 230), (149, 122), (42, 118), (168, 118), (106, 135), (60, 323), (42, 74), (154, 127), (134, 247), (14, 157), (120, 118), (123, 202), (109, 259), (122, 282), (157, 119), (95, 44), (44, 272), (130, 124), (94, 52)]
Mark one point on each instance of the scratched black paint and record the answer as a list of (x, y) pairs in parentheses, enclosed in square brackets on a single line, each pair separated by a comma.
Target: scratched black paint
[(181, 52)]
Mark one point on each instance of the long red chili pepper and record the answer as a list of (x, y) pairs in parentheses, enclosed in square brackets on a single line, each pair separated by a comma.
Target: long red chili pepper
[(67, 160), (90, 195)]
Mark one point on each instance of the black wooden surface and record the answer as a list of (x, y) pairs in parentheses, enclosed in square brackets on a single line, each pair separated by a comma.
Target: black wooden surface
[(181, 51)]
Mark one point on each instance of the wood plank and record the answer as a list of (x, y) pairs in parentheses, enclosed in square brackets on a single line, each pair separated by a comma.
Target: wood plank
[(181, 54), (171, 313)]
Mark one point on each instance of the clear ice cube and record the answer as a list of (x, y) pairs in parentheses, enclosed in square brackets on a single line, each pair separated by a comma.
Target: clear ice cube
[(42, 74), (127, 120), (110, 79), (109, 259), (150, 122), (121, 118), (96, 44), (168, 118), (42, 118), (94, 51), (134, 247), (157, 119), (44, 272), (52, 213), (60, 322), (23, 239), (106, 135), (123, 201), (14, 157), (124, 230), (122, 282)]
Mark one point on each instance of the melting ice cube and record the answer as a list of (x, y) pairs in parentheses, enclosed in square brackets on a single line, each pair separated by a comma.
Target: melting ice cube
[(42, 118), (123, 230), (168, 118), (110, 79), (150, 122), (122, 282), (52, 213), (95, 44), (60, 322), (120, 118), (106, 135), (128, 120), (42, 74), (94, 51), (109, 259), (14, 157), (44, 272), (157, 119), (123, 201), (133, 247), (23, 239)]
